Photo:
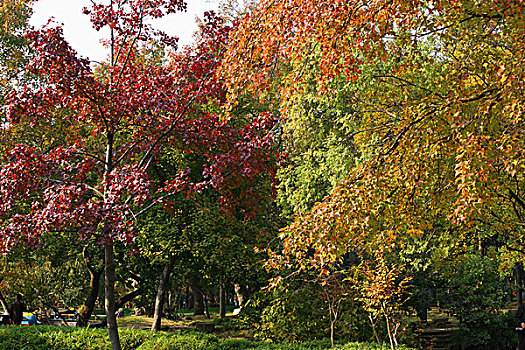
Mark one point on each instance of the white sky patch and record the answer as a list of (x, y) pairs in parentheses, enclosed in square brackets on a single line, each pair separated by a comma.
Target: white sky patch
[(86, 40)]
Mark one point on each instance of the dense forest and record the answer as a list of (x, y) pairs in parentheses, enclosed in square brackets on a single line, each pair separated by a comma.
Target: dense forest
[(341, 171)]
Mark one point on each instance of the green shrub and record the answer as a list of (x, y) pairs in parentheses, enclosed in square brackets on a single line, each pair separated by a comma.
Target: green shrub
[(474, 295), (15, 338), (46, 338), (294, 315), (487, 331), (367, 346), (63, 338), (182, 341)]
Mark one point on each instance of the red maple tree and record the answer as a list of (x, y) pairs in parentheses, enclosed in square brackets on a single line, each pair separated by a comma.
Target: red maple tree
[(96, 182)]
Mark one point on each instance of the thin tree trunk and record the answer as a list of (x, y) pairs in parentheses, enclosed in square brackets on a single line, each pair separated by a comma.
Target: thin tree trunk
[(333, 312), (205, 297), (394, 334), (89, 304), (388, 328), (332, 326), (161, 292), (222, 301), (389, 331), (109, 285), (109, 253), (169, 300), (332, 331), (374, 328), (4, 302), (187, 298), (519, 282)]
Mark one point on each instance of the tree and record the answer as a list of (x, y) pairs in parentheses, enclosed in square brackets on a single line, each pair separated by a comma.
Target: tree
[(95, 183), (381, 291), (14, 49), (232, 10), (317, 139), (471, 279), (43, 282), (92, 189), (14, 52), (447, 149), (88, 189), (433, 88)]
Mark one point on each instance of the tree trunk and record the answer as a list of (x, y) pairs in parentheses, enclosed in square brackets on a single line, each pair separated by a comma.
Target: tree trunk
[(109, 285), (519, 282), (206, 306), (389, 331), (222, 301), (333, 307), (178, 299), (89, 304), (198, 303), (4, 302), (388, 326), (198, 300), (240, 293), (374, 328), (161, 292), (332, 332), (187, 298)]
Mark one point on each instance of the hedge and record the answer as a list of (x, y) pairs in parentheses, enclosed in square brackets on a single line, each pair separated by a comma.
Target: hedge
[(64, 338)]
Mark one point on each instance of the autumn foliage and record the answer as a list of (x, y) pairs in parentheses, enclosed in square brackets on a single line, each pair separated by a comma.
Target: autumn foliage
[(427, 96), (111, 124), (445, 110)]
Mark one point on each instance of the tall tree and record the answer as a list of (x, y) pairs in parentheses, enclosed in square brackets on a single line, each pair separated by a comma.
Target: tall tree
[(95, 182), (436, 96), (14, 48), (449, 148), (14, 16)]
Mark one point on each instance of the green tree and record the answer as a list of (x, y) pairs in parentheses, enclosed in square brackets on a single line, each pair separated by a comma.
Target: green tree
[(14, 49), (317, 139), (14, 52)]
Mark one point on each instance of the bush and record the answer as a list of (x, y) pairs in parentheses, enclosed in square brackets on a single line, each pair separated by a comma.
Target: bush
[(63, 338), (487, 331), (299, 314), (294, 315), (474, 295)]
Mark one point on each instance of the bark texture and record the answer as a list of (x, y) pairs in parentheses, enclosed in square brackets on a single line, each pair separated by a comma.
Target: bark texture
[(161, 293), (198, 300), (109, 284), (4, 302), (222, 301), (89, 304)]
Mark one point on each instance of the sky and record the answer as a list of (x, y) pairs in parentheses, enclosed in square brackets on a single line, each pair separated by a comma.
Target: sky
[(86, 41)]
